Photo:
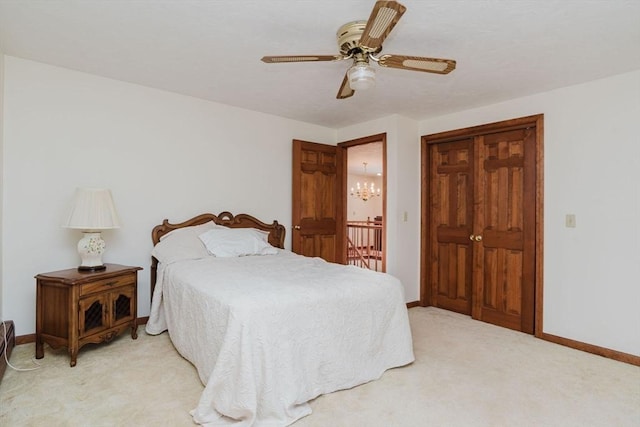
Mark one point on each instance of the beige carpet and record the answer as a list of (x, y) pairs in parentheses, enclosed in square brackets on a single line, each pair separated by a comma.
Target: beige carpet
[(467, 373)]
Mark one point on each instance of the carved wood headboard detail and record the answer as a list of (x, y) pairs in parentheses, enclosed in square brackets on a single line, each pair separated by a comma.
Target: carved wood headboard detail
[(276, 231)]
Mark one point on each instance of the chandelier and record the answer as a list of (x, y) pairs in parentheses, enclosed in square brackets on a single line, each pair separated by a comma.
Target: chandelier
[(366, 191)]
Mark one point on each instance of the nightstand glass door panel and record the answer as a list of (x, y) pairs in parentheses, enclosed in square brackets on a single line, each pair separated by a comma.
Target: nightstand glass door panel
[(93, 315), (122, 303)]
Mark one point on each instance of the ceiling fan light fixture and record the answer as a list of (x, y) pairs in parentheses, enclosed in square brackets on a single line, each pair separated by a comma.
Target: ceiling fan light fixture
[(361, 76), (361, 41)]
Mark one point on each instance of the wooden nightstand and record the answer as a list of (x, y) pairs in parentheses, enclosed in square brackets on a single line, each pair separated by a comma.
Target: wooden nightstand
[(74, 308)]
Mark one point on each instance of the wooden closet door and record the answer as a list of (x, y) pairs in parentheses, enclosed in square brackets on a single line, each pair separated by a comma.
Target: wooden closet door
[(451, 205), (504, 229), (480, 218)]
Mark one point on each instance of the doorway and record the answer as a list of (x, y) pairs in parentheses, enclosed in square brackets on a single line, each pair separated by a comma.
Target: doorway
[(365, 202)]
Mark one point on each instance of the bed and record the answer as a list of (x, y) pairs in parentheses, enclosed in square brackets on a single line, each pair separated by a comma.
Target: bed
[(266, 329)]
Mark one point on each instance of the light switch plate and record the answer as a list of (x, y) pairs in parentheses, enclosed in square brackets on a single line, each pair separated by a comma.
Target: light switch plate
[(570, 221)]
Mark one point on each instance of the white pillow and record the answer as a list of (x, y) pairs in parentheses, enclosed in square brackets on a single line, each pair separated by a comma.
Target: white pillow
[(183, 243), (234, 242)]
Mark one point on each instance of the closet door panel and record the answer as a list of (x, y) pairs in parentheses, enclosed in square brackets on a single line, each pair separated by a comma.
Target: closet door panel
[(499, 218), (451, 203)]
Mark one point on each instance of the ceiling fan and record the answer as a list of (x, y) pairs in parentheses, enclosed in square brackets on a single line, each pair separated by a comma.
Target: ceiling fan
[(362, 42)]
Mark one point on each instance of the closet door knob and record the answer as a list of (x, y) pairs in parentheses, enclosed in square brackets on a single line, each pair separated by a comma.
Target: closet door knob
[(478, 238), (297, 227), (472, 237)]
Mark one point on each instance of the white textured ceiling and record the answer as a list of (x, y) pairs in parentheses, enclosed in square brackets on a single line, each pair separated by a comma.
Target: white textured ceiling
[(212, 49)]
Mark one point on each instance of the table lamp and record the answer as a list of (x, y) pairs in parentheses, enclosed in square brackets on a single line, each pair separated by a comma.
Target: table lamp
[(92, 211)]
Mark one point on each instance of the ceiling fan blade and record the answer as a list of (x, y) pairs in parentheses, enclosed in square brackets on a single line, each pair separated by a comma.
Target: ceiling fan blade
[(345, 90), (384, 16), (418, 63), (301, 58)]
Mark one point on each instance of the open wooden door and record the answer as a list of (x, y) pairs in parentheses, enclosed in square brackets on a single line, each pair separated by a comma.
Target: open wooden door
[(317, 217)]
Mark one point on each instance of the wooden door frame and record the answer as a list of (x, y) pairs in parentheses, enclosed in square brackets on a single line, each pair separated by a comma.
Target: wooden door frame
[(537, 120), (381, 137)]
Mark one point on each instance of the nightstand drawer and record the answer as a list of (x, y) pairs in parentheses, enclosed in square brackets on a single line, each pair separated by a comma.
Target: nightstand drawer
[(107, 284)]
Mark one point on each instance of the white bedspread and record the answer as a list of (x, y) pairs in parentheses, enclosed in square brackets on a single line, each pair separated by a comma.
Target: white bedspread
[(269, 333)]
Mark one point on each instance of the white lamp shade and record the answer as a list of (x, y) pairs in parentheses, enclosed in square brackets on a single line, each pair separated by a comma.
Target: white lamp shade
[(93, 209)]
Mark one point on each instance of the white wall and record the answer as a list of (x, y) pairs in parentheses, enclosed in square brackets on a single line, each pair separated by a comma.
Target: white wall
[(403, 195), (592, 170), (163, 155)]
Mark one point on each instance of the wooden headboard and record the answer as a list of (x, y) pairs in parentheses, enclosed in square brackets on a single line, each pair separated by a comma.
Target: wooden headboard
[(276, 231)]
